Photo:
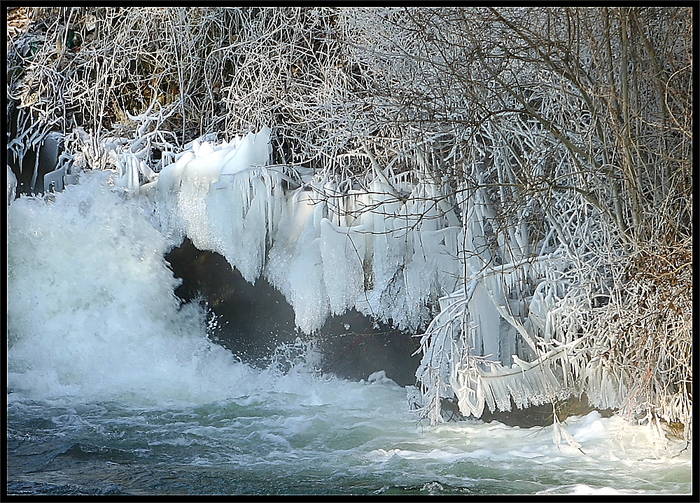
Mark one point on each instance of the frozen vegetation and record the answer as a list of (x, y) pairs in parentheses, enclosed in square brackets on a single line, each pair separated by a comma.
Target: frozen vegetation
[(512, 185)]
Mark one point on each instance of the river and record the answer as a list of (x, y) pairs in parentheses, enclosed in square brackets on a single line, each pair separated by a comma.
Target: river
[(114, 388)]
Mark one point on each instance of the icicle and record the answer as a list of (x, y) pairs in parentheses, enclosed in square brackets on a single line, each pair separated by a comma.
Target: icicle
[(343, 255), (560, 434)]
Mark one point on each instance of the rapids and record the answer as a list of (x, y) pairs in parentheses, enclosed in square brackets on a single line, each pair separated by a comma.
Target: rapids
[(114, 387)]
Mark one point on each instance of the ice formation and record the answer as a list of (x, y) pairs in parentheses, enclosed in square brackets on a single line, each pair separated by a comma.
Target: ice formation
[(495, 312), (224, 199), (392, 262)]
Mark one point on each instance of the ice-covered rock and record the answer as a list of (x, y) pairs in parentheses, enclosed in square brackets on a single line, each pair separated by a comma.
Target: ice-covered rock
[(11, 186), (391, 252)]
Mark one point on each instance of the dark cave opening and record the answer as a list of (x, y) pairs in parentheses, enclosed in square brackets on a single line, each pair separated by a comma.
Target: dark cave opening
[(252, 320)]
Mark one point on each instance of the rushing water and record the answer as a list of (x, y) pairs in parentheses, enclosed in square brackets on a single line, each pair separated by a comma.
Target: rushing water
[(114, 388), (304, 434)]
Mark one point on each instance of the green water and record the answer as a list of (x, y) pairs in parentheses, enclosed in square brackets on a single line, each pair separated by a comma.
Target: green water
[(313, 435)]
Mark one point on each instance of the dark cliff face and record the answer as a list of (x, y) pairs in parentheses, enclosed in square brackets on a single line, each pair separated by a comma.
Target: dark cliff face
[(255, 319)]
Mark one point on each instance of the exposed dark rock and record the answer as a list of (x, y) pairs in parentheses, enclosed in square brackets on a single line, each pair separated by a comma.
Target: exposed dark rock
[(541, 415), (255, 319), (48, 153), (537, 415)]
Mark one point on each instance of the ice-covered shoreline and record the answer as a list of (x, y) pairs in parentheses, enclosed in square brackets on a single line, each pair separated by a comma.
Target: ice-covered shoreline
[(393, 254)]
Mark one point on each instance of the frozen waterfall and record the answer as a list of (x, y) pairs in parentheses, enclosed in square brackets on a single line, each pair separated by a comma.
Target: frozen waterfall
[(392, 250)]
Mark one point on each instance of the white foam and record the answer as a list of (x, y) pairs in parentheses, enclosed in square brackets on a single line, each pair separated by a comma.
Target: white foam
[(584, 489), (92, 315), (91, 309)]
